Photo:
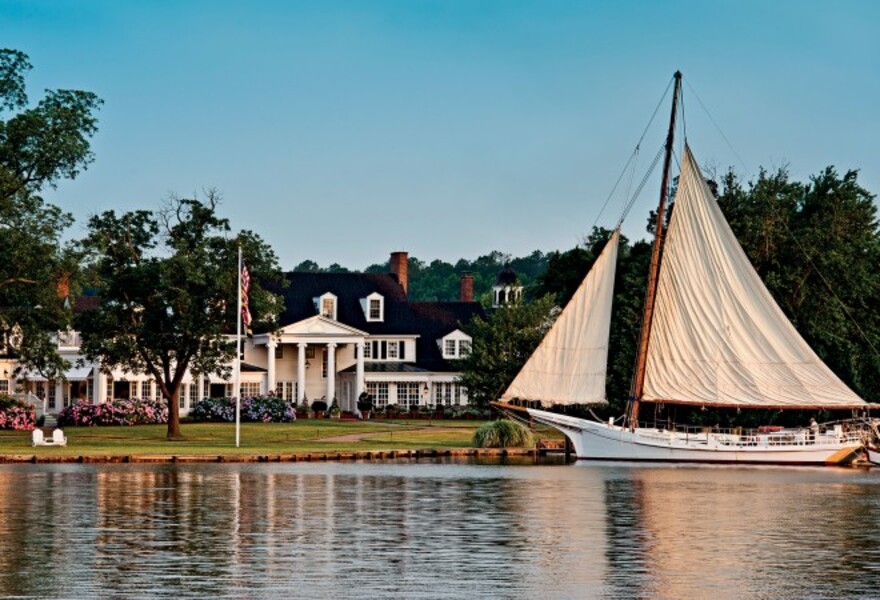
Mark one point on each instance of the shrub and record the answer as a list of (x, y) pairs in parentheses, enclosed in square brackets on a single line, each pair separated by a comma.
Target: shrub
[(135, 411), (502, 434), (261, 409), (319, 405), (15, 414)]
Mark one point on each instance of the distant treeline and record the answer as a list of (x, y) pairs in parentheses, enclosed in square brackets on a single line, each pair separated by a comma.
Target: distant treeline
[(441, 281)]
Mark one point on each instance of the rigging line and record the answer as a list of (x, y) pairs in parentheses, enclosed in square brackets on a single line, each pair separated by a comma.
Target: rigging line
[(788, 229), (634, 153), (641, 186), (718, 127)]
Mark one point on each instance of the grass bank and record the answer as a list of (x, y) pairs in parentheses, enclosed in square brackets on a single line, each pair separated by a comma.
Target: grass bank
[(304, 436)]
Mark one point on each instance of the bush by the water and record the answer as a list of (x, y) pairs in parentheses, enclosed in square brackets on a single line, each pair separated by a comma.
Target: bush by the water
[(15, 414), (262, 409), (134, 411), (503, 434)]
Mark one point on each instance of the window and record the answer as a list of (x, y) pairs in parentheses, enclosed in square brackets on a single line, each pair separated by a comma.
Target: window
[(379, 392), (182, 394), (4, 386), (464, 348), (408, 394), (250, 389), (449, 349), (392, 350), (327, 306), (324, 355), (279, 351), (310, 352), (40, 390), (449, 393), (50, 394), (375, 309), (287, 390), (368, 350)]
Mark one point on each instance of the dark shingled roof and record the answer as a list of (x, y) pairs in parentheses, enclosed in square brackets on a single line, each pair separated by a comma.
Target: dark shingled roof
[(429, 320)]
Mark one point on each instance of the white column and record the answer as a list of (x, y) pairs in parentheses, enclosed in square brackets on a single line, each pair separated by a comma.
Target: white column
[(60, 384), (331, 373), (99, 384), (300, 372), (359, 376), (271, 379), (200, 393)]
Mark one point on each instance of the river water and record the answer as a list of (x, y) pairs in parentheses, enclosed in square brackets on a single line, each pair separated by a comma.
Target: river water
[(438, 530)]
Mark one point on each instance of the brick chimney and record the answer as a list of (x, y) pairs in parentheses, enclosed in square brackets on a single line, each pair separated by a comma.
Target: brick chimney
[(399, 268), (467, 287)]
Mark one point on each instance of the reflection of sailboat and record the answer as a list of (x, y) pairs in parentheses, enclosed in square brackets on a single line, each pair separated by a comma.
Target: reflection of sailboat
[(712, 336)]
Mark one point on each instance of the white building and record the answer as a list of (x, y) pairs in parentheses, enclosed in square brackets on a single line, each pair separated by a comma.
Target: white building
[(340, 334)]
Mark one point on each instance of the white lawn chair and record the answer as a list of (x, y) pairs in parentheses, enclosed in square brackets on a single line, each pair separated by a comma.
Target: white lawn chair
[(38, 438), (58, 438)]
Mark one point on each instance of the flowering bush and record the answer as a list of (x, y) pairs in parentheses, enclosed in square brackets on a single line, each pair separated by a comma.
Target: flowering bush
[(261, 409), (116, 412), (15, 414)]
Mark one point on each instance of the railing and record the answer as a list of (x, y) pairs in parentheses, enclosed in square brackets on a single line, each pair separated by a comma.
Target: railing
[(834, 432)]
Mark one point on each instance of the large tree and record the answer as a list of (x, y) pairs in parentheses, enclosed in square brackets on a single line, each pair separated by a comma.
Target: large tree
[(501, 345), (167, 281), (39, 146)]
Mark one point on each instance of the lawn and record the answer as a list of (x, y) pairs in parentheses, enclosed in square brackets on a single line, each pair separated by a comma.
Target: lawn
[(307, 435)]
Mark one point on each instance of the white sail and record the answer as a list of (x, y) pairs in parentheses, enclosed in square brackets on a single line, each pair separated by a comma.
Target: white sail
[(570, 364), (718, 337)]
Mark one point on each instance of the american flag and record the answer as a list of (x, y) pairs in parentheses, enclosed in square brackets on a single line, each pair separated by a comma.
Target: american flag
[(245, 289)]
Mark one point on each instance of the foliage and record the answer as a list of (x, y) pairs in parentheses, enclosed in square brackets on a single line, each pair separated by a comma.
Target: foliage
[(441, 281), (501, 345), (319, 405), (503, 433), (39, 146), (816, 245), (15, 414), (168, 282), (145, 411), (260, 409)]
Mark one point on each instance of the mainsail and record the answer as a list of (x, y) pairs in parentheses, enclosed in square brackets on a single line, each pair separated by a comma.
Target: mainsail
[(717, 337), (570, 364)]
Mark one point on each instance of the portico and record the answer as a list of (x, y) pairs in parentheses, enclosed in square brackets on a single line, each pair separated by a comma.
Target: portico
[(303, 359)]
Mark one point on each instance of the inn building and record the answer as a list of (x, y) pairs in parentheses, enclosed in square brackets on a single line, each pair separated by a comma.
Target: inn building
[(339, 334)]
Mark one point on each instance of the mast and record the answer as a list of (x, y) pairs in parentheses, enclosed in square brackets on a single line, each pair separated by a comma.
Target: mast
[(651, 294)]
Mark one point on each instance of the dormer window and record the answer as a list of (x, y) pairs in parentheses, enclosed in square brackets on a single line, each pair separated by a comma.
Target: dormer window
[(456, 345), (327, 306), (374, 307)]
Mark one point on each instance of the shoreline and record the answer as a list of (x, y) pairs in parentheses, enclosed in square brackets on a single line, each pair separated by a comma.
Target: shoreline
[(273, 458)]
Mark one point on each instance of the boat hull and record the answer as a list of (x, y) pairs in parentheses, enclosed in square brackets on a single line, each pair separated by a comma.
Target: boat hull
[(873, 453), (605, 441)]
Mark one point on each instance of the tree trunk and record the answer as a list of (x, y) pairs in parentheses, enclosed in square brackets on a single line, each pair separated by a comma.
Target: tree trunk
[(174, 415)]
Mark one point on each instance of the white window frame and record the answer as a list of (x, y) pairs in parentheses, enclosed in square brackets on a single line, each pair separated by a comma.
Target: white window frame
[(328, 297), (375, 299)]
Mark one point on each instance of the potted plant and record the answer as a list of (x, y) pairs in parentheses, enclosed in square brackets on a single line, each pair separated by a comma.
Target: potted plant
[(335, 411), (365, 404), (319, 407)]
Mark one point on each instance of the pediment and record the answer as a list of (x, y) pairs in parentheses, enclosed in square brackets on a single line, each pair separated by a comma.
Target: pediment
[(320, 326)]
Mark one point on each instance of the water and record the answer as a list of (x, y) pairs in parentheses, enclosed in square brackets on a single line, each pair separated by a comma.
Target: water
[(437, 530)]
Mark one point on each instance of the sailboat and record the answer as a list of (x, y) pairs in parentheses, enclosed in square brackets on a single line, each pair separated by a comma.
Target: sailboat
[(712, 336)]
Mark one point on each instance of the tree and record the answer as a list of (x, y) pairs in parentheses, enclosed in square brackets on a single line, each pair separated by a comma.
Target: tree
[(168, 282), (39, 146), (502, 344)]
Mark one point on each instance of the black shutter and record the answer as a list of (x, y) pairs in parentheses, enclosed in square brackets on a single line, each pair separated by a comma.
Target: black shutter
[(401, 350)]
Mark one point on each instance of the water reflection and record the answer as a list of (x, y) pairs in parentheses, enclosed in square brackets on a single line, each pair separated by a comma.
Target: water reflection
[(436, 530)]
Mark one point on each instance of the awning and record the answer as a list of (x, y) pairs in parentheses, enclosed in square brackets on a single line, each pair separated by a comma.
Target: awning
[(72, 374)]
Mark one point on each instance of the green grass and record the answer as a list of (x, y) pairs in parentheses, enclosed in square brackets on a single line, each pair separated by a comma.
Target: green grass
[(307, 435)]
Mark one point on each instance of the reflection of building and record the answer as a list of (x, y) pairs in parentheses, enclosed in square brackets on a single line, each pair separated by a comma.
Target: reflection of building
[(341, 334)]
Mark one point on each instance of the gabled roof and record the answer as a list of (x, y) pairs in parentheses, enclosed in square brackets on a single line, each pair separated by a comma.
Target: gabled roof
[(428, 320)]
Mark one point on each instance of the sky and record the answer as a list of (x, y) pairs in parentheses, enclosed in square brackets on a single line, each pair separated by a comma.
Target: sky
[(343, 131)]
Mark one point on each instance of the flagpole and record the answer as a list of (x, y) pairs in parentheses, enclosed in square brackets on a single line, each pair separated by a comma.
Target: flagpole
[(237, 390)]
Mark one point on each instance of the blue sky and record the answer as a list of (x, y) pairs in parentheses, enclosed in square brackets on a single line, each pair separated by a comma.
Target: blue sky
[(342, 131)]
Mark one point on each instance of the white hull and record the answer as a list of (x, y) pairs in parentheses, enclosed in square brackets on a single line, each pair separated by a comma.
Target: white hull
[(605, 441), (873, 454)]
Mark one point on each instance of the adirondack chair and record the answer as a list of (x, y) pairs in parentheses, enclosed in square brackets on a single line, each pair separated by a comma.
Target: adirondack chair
[(57, 439)]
